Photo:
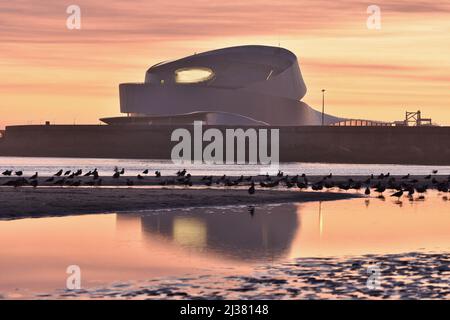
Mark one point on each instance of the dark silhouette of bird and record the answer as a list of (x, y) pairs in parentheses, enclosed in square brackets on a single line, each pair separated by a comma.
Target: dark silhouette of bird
[(428, 177), (34, 183), (79, 172), (367, 191), (88, 174), (145, 171), (421, 189), (67, 172), (442, 187), (129, 182), (435, 171), (289, 184), (95, 174), (251, 190), (140, 177), (406, 177), (397, 194), (251, 210), (122, 172), (34, 176), (50, 179), (301, 185), (380, 189), (19, 173), (317, 186), (7, 172), (181, 173), (58, 173), (116, 175), (158, 174)]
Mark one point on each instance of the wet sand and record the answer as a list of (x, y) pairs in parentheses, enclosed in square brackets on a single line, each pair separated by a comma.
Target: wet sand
[(401, 276), (25, 202)]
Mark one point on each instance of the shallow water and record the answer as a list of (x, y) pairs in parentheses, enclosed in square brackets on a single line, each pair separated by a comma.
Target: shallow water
[(227, 241), (48, 166)]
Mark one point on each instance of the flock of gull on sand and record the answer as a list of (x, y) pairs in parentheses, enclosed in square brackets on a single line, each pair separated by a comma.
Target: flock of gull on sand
[(379, 184)]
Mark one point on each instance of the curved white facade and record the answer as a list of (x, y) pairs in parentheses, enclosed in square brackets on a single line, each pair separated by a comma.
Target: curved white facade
[(239, 85)]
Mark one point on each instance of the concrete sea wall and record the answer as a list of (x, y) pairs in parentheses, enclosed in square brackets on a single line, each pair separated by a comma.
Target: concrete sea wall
[(395, 145)]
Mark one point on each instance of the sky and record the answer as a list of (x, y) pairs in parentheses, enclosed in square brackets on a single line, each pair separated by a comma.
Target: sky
[(50, 72)]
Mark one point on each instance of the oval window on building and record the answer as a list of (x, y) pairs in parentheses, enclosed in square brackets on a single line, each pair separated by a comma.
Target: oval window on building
[(193, 75)]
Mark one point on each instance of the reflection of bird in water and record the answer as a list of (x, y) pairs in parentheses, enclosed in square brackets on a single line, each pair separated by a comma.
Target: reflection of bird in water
[(251, 210), (367, 202), (251, 190), (129, 183)]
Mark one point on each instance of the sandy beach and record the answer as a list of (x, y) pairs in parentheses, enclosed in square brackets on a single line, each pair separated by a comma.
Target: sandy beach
[(27, 202), (152, 180), (58, 196)]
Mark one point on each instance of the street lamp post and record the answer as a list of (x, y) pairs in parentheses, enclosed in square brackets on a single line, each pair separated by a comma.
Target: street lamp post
[(323, 106)]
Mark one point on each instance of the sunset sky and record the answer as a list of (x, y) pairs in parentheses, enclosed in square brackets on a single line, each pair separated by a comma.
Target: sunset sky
[(49, 72)]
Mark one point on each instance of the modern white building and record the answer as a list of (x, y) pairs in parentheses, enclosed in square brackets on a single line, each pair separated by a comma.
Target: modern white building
[(245, 85)]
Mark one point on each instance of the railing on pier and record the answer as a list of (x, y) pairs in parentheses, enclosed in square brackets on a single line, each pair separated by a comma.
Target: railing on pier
[(361, 123)]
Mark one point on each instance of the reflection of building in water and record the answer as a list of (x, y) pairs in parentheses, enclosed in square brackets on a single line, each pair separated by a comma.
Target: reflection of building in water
[(230, 232), (189, 231)]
